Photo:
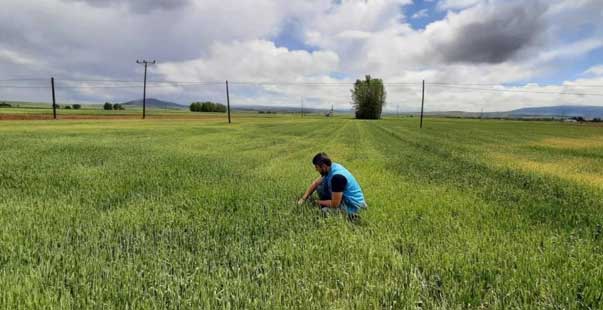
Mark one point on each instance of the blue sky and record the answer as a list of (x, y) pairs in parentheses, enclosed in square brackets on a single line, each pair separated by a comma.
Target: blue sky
[(291, 36), (421, 13), (570, 70)]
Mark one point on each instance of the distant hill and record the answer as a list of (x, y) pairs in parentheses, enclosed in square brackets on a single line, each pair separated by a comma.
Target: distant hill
[(587, 112), (155, 103), (562, 111)]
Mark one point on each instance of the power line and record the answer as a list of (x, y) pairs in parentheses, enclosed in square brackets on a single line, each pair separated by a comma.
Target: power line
[(202, 84), (579, 86), (185, 82), (468, 84), (148, 81), (102, 86), (98, 80), (127, 86), (171, 83), (282, 82), (19, 86), (402, 83), (24, 79), (518, 91), (314, 83), (289, 83), (218, 82), (507, 84)]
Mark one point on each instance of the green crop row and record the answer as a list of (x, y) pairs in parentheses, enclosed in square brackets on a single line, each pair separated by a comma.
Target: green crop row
[(202, 214)]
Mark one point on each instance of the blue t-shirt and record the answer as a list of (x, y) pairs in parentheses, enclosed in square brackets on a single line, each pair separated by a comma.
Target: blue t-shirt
[(339, 179)]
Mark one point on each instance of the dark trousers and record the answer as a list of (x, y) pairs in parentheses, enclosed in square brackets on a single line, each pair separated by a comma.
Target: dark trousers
[(325, 194)]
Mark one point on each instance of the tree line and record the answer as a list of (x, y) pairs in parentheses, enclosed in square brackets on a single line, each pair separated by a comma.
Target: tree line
[(69, 107), (207, 106), (115, 106)]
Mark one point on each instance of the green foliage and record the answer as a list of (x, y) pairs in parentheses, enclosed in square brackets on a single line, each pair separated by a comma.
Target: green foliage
[(67, 107), (207, 106), (462, 214), (195, 107), (5, 105), (368, 98), (108, 106), (118, 106), (77, 106), (578, 119)]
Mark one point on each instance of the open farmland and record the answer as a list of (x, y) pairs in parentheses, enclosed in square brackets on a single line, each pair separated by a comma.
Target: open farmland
[(43, 111), (202, 214)]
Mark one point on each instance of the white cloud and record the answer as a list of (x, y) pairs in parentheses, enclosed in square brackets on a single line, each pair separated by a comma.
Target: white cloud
[(7, 55), (457, 4), (363, 16), (489, 42), (571, 50), (259, 61), (138, 6), (596, 70), (420, 14), (255, 60)]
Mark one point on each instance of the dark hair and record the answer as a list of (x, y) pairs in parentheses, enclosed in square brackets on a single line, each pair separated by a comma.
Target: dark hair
[(321, 158)]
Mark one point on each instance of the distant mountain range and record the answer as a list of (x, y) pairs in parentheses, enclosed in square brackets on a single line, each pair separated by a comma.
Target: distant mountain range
[(154, 103), (587, 112), (561, 111)]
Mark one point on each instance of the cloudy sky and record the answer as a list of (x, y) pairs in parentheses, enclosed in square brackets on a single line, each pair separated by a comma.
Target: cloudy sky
[(489, 55)]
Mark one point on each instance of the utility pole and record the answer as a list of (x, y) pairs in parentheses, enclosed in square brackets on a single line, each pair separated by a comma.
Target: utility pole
[(422, 104), (54, 102), (228, 101), (144, 91)]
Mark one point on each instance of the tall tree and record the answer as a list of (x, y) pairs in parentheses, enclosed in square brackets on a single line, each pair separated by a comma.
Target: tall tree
[(368, 98)]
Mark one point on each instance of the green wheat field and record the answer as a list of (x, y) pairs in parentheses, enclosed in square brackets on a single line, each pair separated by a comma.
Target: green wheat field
[(202, 214)]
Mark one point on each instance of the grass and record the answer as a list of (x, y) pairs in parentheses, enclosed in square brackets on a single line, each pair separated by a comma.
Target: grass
[(25, 109), (46, 109), (169, 214)]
